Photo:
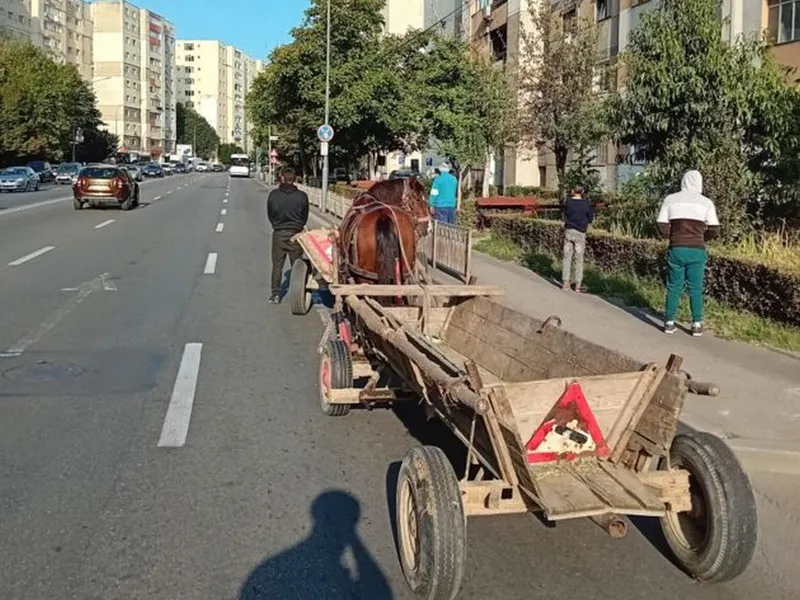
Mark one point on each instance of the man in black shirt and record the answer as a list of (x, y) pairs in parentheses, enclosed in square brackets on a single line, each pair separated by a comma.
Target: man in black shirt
[(287, 210), (578, 214)]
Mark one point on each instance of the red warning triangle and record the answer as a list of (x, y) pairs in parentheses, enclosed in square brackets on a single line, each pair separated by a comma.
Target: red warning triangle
[(568, 431)]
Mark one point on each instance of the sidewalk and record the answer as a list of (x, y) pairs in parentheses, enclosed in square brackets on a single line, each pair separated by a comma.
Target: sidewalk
[(758, 409)]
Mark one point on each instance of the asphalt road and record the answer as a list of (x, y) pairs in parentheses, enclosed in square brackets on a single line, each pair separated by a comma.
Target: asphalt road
[(262, 496)]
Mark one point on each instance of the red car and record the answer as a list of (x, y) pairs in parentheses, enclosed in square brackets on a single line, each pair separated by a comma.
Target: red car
[(99, 185)]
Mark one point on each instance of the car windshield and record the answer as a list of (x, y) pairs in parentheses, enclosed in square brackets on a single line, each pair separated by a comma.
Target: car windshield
[(36, 166), (15, 171), (68, 168), (100, 172)]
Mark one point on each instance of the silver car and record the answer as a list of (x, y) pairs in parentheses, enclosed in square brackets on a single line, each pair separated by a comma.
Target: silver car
[(134, 170), (67, 173), (18, 179)]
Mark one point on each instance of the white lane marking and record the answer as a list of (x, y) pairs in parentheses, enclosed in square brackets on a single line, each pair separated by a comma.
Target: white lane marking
[(104, 224), (211, 264), (179, 413), (225, 201), (223, 212), (31, 256), (169, 192), (37, 333), (220, 227), (156, 198)]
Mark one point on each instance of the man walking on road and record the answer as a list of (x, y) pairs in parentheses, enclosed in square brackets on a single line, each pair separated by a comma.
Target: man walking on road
[(444, 196), (689, 220), (578, 214), (287, 210)]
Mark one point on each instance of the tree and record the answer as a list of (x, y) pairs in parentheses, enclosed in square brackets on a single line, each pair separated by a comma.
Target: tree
[(192, 128), (225, 151), (694, 101), (559, 109), (41, 105)]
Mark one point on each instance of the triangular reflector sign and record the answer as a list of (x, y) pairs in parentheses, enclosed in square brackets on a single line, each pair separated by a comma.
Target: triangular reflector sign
[(568, 431)]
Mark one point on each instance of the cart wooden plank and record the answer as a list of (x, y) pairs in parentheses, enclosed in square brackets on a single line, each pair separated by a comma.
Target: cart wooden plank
[(366, 289), (318, 248)]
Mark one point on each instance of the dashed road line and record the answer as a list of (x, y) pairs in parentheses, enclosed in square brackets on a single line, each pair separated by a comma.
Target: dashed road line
[(223, 212), (225, 201), (220, 227), (156, 198), (169, 192), (31, 256), (104, 224), (179, 413), (211, 264)]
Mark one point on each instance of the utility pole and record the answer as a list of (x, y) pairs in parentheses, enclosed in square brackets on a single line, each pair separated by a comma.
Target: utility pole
[(269, 152), (327, 107), (194, 140)]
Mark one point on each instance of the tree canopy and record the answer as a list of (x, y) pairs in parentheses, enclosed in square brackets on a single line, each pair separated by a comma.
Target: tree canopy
[(41, 105), (387, 92), (225, 151), (192, 127), (695, 101)]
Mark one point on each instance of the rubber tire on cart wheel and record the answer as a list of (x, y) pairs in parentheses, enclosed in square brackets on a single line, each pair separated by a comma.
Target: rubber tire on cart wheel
[(718, 544), (336, 373), (299, 294), (77, 205), (431, 524)]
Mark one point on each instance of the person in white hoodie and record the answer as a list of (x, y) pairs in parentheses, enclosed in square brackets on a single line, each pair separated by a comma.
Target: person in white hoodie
[(689, 220)]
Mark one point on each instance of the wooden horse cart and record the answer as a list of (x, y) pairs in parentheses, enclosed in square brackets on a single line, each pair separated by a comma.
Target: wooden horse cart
[(552, 424)]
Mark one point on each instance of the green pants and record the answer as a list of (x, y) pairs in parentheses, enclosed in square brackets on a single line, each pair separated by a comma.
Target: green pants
[(686, 266)]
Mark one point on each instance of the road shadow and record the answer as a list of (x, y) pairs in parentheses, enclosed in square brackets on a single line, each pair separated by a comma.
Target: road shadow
[(316, 568)]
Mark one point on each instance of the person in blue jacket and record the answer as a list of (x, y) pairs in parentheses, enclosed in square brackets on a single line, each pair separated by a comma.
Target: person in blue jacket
[(444, 193)]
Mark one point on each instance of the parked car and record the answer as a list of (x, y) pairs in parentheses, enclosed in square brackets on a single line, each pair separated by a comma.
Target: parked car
[(180, 168), (152, 170), (43, 169), (403, 174), (134, 170), (168, 168), (201, 168), (105, 184), (218, 168), (18, 179), (340, 174), (67, 173)]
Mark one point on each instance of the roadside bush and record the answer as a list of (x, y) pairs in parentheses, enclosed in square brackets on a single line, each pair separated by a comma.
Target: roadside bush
[(739, 283)]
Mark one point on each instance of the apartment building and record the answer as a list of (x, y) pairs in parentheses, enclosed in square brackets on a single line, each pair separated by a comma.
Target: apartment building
[(62, 27), (494, 29), (214, 78), (134, 75), (445, 17)]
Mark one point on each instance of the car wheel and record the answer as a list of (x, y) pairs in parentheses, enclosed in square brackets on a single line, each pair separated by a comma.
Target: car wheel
[(77, 204), (36, 188), (27, 186)]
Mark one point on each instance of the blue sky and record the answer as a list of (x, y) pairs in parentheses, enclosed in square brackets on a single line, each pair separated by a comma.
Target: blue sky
[(255, 26)]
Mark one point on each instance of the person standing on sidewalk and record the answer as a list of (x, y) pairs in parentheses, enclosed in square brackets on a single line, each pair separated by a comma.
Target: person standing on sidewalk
[(578, 215), (689, 220), (444, 196), (287, 210)]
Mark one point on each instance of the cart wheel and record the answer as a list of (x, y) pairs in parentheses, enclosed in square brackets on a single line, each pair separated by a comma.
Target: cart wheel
[(431, 524), (716, 540), (335, 373), (299, 293)]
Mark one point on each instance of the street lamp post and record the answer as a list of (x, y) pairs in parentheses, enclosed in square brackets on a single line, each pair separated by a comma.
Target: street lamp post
[(327, 106)]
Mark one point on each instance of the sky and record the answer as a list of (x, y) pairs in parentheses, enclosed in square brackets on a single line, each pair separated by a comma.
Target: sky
[(254, 26)]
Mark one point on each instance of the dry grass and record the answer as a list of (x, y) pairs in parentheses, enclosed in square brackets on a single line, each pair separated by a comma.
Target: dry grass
[(778, 249)]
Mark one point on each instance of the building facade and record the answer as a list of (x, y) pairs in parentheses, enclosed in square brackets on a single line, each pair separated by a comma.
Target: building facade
[(494, 29), (63, 28), (134, 76), (213, 78)]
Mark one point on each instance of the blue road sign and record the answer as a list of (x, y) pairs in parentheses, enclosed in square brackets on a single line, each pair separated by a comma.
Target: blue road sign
[(325, 133)]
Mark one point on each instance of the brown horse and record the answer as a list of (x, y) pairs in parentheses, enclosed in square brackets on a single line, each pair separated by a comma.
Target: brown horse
[(378, 235)]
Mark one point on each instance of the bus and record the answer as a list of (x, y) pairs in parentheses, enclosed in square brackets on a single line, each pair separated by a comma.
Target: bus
[(240, 165)]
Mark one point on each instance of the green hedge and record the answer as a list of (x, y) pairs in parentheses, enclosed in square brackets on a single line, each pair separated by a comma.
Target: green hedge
[(741, 284)]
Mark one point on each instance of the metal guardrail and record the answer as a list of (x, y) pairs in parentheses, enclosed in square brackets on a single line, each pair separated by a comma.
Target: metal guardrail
[(447, 247)]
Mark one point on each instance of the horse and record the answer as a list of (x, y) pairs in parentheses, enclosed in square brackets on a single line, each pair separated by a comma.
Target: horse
[(379, 233)]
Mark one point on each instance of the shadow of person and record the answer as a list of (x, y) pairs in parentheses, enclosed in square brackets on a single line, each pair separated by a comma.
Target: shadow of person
[(317, 568)]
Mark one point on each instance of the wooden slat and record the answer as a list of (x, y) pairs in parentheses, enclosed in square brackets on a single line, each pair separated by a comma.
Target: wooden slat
[(366, 289)]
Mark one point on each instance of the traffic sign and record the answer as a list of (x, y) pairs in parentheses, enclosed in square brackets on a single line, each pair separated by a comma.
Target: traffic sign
[(325, 133), (323, 148)]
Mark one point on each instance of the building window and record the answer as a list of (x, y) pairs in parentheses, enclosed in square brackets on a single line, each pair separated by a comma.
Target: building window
[(602, 9), (783, 23)]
